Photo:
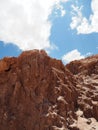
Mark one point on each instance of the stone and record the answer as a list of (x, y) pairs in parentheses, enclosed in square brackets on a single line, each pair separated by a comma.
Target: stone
[(86, 74), (30, 86), (38, 92)]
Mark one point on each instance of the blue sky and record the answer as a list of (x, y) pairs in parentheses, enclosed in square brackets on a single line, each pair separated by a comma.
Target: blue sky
[(71, 30), (68, 39)]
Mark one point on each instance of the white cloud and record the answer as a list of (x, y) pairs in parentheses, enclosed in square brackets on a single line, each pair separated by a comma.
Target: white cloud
[(88, 54), (81, 23), (60, 8), (71, 56), (76, 19), (25, 22), (63, 12)]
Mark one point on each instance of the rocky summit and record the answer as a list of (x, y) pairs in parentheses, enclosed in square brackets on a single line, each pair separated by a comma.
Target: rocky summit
[(40, 93)]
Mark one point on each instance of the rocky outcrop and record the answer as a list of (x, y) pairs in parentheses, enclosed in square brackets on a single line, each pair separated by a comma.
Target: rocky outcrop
[(39, 93), (36, 93), (86, 73)]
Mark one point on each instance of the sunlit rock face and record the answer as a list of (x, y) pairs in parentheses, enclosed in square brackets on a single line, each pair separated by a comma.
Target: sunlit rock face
[(86, 73), (40, 93)]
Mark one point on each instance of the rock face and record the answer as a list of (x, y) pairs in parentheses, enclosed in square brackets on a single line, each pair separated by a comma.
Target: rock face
[(40, 93), (86, 73)]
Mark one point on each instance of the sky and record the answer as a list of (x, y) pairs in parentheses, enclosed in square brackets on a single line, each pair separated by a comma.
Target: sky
[(66, 29)]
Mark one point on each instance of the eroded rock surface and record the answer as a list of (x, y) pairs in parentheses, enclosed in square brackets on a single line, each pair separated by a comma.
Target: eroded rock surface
[(86, 73), (40, 93), (35, 93)]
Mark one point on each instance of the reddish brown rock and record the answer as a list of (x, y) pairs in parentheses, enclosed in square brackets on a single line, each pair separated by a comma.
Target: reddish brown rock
[(36, 92), (86, 73), (39, 93)]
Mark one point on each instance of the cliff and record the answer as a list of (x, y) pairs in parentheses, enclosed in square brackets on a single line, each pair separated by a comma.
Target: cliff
[(40, 93)]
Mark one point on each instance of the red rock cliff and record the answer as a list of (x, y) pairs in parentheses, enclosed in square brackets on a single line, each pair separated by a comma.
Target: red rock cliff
[(36, 93), (40, 93)]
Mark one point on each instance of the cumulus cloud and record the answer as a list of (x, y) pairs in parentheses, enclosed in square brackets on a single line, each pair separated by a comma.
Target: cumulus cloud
[(81, 23), (71, 56), (25, 22)]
